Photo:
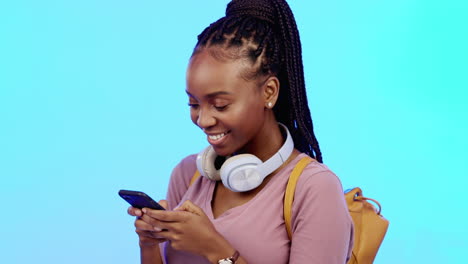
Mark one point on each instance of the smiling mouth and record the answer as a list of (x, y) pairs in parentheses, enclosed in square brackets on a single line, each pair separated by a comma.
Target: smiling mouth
[(218, 138)]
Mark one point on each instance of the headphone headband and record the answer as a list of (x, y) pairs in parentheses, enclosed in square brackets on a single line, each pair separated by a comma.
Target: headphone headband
[(280, 157)]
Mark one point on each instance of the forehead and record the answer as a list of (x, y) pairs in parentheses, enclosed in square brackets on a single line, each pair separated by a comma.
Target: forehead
[(206, 63), (208, 71)]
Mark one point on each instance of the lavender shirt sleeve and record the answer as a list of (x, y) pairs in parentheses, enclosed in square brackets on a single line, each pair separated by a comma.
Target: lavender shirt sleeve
[(322, 227)]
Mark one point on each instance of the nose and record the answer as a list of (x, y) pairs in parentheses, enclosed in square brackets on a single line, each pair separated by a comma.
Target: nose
[(205, 119)]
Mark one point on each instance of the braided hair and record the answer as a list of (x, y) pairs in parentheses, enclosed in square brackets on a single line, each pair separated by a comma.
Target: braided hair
[(265, 33)]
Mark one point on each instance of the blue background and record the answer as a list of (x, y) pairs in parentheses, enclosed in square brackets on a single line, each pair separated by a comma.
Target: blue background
[(92, 101)]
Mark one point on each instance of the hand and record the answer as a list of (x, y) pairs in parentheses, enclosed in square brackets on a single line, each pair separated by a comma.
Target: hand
[(147, 234), (189, 229)]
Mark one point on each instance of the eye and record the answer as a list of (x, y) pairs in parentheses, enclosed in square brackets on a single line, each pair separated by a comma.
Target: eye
[(193, 106), (221, 108)]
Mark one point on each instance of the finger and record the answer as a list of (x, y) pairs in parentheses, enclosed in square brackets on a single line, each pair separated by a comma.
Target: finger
[(150, 238), (151, 234), (144, 226), (155, 224), (134, 211), (166, 216), (188, 206), (163, 235)]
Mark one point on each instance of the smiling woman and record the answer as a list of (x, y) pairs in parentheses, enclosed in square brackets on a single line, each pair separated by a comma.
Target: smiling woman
[(92, 100), (246, 91)]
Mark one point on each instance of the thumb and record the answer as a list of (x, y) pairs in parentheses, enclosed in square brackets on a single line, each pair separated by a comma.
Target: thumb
[(163, 203), (188, 206)]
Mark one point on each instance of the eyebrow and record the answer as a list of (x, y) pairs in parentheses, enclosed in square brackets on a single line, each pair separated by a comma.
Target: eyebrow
[(211, 95)]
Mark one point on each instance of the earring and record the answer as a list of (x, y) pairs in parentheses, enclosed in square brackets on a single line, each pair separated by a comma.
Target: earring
[(270, 104)]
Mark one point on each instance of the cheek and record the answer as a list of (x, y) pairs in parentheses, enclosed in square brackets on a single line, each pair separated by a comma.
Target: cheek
[(252, 111)]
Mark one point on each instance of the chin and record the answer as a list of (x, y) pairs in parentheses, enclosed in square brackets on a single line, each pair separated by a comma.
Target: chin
[(225, 152)]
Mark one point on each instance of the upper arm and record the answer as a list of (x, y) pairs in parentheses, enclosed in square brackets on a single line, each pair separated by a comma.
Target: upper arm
[(321, 225)]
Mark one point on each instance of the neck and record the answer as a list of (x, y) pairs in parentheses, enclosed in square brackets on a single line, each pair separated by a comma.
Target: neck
[(267, 142)]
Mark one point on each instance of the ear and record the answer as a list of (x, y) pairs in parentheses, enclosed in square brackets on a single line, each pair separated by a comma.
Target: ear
[(271, 91)]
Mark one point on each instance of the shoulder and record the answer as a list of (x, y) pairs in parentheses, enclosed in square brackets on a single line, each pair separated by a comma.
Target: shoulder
[(318, 187), (187, 164), (180, 179), (317, 177), (184, 170)]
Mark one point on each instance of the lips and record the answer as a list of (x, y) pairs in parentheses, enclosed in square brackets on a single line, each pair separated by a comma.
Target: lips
[(216, 139)]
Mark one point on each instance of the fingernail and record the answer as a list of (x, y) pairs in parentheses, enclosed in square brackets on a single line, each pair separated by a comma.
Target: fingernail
[(144, 210), (157, 229)]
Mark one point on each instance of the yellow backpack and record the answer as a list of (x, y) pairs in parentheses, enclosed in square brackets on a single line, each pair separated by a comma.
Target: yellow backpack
[(370, 226)]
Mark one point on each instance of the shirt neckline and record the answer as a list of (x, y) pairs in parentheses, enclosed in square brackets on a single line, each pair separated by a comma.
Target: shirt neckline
[(211, 188)]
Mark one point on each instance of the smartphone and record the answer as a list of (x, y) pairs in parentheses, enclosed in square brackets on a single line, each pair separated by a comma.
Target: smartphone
[(139, 199)]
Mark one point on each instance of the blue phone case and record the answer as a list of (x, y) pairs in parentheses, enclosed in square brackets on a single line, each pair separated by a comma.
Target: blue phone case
[(139, 200)]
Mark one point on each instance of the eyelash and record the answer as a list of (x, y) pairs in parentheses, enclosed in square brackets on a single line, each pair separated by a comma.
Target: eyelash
[(219, 108)]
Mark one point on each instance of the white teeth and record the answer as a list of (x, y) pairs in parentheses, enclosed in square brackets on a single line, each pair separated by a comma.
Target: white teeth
[(216, 137)]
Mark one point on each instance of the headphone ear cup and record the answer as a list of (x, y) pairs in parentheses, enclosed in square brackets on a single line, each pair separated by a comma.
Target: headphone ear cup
[(206, 164), (239, 173)]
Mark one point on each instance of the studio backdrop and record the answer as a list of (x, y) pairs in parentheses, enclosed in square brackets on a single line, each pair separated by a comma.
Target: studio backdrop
[(92, 100)]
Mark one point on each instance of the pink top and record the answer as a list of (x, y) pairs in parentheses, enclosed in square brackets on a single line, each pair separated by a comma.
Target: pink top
[(321, 225)]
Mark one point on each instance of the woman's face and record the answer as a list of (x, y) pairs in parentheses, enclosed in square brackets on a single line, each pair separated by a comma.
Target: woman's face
[(228, 108)]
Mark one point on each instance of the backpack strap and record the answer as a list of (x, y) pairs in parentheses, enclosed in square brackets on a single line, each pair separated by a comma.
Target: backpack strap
[(194, 177), (289, 193)]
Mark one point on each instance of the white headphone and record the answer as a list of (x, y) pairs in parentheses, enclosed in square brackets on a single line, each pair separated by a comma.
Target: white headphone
[(243, 172)]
